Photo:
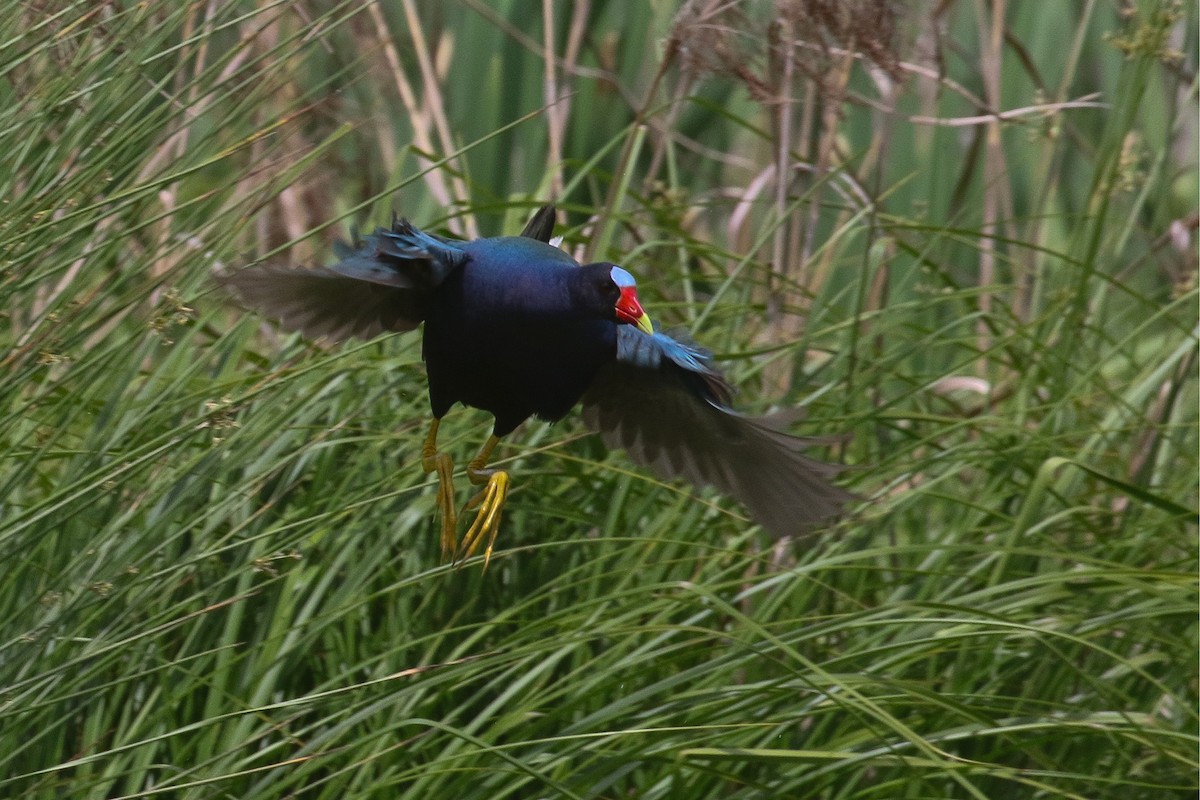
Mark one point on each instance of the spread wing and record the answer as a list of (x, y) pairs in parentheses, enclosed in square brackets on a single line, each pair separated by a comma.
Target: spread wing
[(664, 403), (380, 284)]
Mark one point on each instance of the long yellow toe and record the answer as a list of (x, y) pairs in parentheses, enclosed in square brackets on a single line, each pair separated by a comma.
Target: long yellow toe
[(490, 502)]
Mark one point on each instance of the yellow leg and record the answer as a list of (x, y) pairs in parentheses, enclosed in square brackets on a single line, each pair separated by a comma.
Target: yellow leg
[(443, 465), (489, 501)]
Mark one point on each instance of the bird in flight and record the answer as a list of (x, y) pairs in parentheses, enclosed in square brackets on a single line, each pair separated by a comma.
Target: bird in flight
[(517, 327)]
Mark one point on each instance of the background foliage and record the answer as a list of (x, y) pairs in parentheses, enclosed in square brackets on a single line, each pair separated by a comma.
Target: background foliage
[(961, 233)]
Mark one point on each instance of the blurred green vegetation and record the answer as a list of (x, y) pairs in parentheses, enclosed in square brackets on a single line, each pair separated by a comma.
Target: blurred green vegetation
[(221, 575)]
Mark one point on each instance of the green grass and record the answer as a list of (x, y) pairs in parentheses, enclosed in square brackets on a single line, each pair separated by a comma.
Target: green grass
[(221, 571)]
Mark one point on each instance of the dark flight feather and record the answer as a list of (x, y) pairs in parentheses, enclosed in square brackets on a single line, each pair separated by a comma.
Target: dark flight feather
[(381, 284), (665, 404), (541, 225)]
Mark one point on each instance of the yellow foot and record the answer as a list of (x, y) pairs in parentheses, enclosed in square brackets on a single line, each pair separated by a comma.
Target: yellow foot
[(490, 502)]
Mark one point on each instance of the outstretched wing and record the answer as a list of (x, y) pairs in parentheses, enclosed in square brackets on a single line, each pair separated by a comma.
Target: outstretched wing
[(663, 402), (380, 284)]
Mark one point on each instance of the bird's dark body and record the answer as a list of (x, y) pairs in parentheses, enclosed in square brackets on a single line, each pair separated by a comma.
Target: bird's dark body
[(517, 327), (502, 335)]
